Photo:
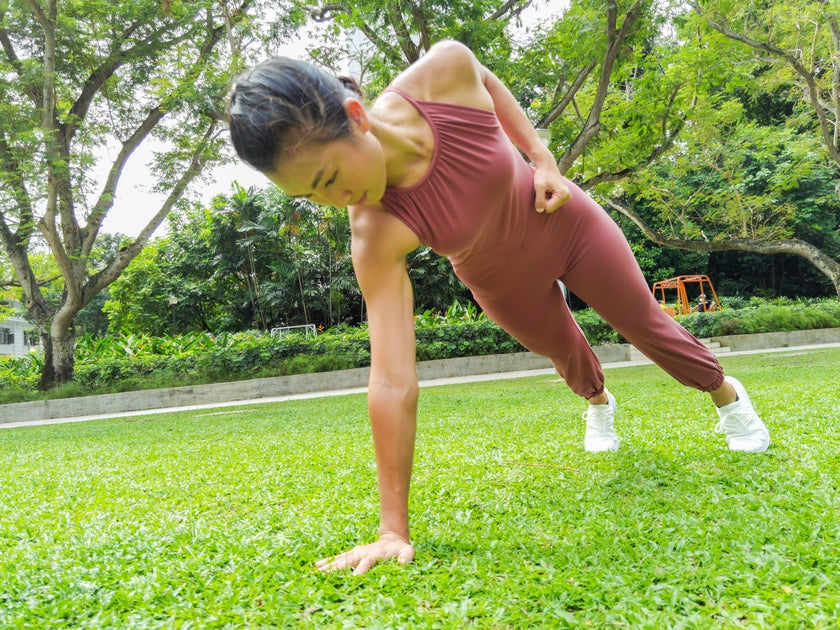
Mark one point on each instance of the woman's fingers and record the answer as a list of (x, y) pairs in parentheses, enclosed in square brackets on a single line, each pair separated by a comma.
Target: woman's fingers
[(364, 564), (362, 558), (556, 198), (406, 554), (336, 563), (551, 190)]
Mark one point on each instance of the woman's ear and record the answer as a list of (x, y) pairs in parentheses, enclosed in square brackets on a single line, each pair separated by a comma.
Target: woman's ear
[(356, 112)]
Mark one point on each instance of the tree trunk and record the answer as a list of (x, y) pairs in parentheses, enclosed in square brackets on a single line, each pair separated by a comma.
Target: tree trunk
[(822, 261), (59, 353)]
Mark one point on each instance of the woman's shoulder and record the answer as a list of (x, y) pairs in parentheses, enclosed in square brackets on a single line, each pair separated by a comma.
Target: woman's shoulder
[(449, 73), (378, 234)]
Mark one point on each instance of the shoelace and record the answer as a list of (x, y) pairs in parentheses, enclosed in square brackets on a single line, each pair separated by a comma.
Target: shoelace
[(600, 418), (735, 421)]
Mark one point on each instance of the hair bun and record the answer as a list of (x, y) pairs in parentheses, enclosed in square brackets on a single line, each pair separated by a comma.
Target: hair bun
[(350, 84)]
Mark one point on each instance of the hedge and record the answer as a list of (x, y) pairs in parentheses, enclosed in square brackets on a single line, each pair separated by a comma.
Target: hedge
[(123, 362)]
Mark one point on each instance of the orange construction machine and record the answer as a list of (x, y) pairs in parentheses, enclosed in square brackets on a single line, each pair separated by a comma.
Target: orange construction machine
[(681, 304)]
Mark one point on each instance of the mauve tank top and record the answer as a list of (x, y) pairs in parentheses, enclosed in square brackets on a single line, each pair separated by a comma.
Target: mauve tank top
[(478, 193)]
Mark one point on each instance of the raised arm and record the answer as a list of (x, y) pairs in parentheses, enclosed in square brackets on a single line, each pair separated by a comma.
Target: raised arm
[(549, 185), (379, 247)]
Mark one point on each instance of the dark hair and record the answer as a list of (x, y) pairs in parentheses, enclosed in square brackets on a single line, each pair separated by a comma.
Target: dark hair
[(283, 102)]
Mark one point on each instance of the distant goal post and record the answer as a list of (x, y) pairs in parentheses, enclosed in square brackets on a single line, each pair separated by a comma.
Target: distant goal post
[(308, 330)]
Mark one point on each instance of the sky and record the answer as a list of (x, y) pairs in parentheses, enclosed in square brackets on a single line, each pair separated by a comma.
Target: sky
[(135, 203)]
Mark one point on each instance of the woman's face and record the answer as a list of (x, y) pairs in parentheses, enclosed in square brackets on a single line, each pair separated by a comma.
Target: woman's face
[(345, 172)]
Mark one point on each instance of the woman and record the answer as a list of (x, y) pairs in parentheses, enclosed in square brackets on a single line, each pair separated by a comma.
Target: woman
[(432, 163)]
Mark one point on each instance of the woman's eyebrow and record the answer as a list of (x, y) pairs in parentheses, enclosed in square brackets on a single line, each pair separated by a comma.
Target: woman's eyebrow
[(315, 181), (318, 177)]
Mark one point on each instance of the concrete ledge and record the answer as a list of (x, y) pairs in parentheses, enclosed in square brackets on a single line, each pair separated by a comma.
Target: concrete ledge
[(355, 378), (182, 396), (256, 388), (763, 341)]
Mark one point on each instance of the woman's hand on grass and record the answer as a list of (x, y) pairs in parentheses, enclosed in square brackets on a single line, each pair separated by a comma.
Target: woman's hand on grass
[(363, 557)]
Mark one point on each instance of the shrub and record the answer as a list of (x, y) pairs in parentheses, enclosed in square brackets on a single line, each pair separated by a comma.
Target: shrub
[(597, 331), (463, 339), (128, 362), (760, 316)]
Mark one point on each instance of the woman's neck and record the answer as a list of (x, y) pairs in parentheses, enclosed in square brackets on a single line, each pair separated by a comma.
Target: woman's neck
[(406, 139)]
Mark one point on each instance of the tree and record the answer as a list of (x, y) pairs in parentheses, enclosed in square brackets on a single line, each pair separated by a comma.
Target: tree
[(85, 78), (739, 186), (573, 75), (255, 259), (140, 300), (800, 35), (436, 287), (397, 33), (7, 296), (577, 76), (634, 95), (747, 171)]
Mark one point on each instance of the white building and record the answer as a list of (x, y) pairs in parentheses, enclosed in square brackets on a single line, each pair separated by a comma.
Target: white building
[(14, 337)]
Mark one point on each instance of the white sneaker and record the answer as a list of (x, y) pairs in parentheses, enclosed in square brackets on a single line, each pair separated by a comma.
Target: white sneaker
[(740, 423), (600, 434)]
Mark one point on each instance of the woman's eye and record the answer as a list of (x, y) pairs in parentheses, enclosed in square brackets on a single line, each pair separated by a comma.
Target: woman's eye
[(331, 180)]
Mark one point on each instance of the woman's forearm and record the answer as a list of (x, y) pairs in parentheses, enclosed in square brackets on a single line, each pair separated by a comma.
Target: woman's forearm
[(393, 416), (514, 121)]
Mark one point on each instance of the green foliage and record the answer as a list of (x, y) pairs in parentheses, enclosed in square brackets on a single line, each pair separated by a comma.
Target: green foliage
[(463, 339), (84, 85), (398, 33), (597, 331), (215, 518), (435, 284), (125, 362), (746, 182), (780, 315), (255, 259), (705, 139)]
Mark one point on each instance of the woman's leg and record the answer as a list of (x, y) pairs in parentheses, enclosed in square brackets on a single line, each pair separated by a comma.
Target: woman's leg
[(604, 273), (542, 322), (606, 276), (536, 314)]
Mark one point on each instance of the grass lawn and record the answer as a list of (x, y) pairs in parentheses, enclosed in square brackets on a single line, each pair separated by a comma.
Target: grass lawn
[(214, 519)]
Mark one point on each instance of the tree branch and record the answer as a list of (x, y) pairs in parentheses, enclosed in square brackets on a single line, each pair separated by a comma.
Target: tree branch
[(514, 7), (113, 270), (16, 252), (615, 40), (326, 13), (106, 69), (106, 197), (13, 178), (425, 39), (558, 109), (154, 116), (57, 171), (797, 247), (811, 87), (668, 139), (834, 26), (32, 88), (409, 48)]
